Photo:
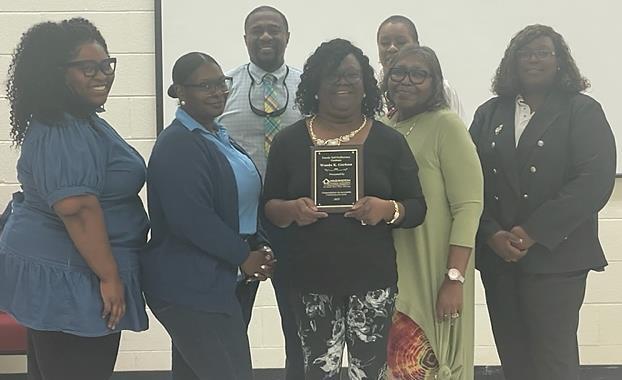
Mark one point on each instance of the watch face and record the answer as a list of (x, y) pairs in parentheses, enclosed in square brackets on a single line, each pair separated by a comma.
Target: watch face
[(453, 274)]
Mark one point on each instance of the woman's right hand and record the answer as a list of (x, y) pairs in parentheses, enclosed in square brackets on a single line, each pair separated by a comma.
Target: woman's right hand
[(305, 212), (113, 298), (504, 244)]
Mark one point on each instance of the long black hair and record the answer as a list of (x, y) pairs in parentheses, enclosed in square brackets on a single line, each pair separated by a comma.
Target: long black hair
[(326, 58), (36, 81), (569, 78)]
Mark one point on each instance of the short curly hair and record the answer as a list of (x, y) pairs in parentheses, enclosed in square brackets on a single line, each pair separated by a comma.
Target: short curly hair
[(569, 79), (438, 99), (326, 58), (36, 82)]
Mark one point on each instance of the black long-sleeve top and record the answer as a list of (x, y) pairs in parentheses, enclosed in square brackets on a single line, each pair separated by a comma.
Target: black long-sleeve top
[(338, 255)]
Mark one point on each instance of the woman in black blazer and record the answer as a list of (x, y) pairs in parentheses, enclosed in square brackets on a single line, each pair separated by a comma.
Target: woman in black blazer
[(548, 156)]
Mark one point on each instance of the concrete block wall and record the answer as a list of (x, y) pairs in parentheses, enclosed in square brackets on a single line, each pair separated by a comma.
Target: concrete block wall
[(129, 29), (128, 26)]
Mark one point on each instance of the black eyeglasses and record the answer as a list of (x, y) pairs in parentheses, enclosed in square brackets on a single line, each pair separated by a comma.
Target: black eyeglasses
[(525, 55), (350, 77), (259, 111), (219, 85), (416, 76), (90, 67)]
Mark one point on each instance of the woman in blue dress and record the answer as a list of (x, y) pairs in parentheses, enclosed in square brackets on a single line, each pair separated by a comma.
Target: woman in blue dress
[(69, 250)]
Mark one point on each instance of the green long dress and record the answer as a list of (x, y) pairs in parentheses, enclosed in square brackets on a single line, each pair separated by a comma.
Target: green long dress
[(451, 178)]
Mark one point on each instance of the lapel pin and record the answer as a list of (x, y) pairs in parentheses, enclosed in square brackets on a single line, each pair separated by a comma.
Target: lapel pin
[(498, 129)]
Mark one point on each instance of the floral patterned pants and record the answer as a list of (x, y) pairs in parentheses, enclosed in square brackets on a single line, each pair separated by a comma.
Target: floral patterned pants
[(326, 323)]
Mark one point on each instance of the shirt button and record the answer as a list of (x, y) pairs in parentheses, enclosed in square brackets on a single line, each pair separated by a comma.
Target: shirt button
[(540, 143), (525, 196), (533, 169), (492, 145)]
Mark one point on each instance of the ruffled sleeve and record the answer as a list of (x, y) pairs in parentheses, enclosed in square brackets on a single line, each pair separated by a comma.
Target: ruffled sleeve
[(67, 160)]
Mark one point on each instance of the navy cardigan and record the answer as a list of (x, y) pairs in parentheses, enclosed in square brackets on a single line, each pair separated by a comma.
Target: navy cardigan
[(195, 248)]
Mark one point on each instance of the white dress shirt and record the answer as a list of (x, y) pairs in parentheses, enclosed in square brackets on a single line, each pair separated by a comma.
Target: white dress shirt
[(522, 115)]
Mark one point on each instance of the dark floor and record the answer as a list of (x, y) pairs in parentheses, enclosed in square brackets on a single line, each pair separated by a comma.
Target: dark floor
[(481, 373)]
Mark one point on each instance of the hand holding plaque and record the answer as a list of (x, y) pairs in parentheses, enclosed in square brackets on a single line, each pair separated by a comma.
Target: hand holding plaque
[(371, 211), (336, 177), (305, 212)]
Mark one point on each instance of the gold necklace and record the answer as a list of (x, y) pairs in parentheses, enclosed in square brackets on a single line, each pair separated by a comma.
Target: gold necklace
[(337, 140), (396, 127)]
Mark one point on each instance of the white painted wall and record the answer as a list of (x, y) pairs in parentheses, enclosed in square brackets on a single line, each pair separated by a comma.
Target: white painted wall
[(128, 26), (469, 37)]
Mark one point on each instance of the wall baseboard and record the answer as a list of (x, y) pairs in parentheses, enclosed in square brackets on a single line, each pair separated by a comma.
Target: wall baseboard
[(588, 372)]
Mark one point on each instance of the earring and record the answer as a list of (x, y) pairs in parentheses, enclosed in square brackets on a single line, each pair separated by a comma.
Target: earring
[(182, 102)]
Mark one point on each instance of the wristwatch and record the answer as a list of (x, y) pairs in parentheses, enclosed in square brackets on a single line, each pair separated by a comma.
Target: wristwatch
[(454, 275), (396, 212)]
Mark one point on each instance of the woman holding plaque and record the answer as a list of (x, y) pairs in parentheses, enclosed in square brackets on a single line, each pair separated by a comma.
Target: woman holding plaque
[(432, 332), (549, 158), (344, 262)]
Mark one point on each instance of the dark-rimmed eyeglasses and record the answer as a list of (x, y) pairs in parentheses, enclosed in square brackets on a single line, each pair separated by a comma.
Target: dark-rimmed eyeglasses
[(90, 68), (416, 76), (218, 85), (350, 77), (252, 89), (525, 55)]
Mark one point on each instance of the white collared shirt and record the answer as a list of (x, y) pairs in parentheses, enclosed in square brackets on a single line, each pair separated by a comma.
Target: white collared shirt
[(522, 115)]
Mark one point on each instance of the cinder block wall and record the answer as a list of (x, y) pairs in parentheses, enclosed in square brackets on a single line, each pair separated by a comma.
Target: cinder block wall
[(128, 26)]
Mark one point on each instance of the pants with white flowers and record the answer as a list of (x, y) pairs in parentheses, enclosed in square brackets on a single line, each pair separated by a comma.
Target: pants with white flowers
[(362, 321)]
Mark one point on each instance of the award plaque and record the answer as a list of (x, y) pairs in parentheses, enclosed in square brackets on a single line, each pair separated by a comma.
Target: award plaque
[(336, 177)]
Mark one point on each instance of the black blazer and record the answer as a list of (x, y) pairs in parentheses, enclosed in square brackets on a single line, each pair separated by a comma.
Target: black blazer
[(553, 184)]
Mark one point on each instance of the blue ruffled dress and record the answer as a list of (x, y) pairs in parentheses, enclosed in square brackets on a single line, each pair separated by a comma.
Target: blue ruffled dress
[(44, 282)]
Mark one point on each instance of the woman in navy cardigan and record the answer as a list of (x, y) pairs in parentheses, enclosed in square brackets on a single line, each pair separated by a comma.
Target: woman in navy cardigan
[(203, 193)]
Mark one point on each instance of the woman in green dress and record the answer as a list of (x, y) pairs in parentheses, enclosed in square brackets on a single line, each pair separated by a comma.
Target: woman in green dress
[(432, 332)]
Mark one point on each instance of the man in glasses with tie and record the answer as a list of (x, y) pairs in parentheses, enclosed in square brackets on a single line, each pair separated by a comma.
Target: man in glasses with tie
[(260, 104)]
